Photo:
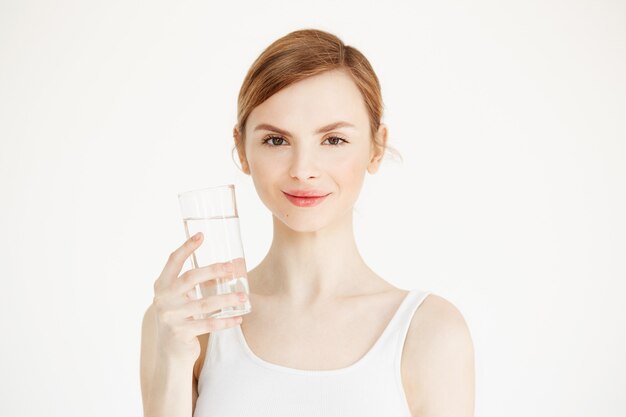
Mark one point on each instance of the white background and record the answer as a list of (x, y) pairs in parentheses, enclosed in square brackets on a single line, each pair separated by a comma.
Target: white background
[(510, 202)]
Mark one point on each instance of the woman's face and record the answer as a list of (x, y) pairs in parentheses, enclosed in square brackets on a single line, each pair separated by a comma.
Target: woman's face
[(286, 150)]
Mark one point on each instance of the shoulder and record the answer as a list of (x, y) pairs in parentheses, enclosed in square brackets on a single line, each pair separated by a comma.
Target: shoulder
[(438, 324), (440, 315), (439, 361)]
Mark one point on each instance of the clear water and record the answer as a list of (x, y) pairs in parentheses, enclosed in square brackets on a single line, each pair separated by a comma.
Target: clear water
[(222, 243)]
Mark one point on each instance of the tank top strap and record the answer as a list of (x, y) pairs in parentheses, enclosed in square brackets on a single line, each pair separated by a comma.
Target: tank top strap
[(389, 347), (401, 324), (223, 347), (406, 311)]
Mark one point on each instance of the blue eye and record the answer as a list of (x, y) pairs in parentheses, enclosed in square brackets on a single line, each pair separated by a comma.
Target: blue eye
[(333, 140)]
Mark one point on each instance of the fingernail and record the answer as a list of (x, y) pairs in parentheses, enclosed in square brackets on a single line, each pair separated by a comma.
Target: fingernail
[(196, 237)]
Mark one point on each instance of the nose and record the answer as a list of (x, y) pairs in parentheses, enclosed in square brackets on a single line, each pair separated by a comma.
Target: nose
[(303, 165)]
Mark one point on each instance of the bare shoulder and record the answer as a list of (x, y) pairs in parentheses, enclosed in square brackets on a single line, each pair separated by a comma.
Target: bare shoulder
[(438, 361), (437, 313)]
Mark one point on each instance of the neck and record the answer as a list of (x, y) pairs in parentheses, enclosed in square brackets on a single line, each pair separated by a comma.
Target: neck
[(314, 267)]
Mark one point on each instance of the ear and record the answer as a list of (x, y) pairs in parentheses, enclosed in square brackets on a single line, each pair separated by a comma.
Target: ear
[(241, 151), (378, 149)]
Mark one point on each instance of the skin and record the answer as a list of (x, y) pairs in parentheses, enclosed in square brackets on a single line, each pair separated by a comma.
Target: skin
[(313, 285)]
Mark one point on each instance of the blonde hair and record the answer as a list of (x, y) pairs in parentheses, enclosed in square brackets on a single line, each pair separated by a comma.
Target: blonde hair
[(302, 54)]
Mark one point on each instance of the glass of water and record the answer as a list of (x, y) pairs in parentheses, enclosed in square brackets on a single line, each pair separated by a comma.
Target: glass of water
[(213, 211)]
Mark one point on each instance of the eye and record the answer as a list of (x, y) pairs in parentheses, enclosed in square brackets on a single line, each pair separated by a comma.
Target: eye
[(273, 139), (333, 140), (336, 141)]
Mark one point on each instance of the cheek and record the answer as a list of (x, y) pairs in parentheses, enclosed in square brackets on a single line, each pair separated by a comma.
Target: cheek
[(349, 174), (350, 166), (264, 174), (262, 167)]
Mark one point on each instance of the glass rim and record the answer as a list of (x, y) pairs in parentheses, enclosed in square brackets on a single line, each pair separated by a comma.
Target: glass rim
[(231, 186)]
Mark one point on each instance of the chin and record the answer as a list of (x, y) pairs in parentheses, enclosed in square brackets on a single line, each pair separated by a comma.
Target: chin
[(302, 222), (310, 222)]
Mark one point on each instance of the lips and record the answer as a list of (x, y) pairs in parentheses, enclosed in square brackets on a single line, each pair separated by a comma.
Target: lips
[(306, 193), (307, 201)]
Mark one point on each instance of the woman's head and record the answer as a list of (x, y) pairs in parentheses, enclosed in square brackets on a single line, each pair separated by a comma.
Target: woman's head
[(302, 82)]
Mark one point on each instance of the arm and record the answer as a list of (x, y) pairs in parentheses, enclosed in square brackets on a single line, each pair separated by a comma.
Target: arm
[(166, 386), (442, 365)]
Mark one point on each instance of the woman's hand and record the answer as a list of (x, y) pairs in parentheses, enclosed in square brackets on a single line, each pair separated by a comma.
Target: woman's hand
[(175, 305)]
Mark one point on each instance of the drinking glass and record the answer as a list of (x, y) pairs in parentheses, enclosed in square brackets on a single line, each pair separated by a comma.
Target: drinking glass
[(213, 211)]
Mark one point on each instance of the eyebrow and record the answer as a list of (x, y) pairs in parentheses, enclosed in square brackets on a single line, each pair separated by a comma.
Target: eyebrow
[(323, 129)]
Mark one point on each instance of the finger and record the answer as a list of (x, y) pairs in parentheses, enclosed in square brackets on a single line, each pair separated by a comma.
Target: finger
[(239, 266), (177, 259), (207, 305), (190, 278), (211, 324)]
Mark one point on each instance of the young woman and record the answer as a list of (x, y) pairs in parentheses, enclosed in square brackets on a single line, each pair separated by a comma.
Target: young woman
[(326, 336)]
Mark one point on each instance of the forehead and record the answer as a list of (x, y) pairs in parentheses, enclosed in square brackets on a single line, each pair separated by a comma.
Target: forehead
[(313, 102)]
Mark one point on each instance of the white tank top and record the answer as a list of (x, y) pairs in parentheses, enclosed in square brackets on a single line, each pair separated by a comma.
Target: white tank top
[(234, 382)]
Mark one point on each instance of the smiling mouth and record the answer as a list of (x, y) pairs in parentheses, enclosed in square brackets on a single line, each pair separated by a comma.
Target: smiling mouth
[(305, 201)]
